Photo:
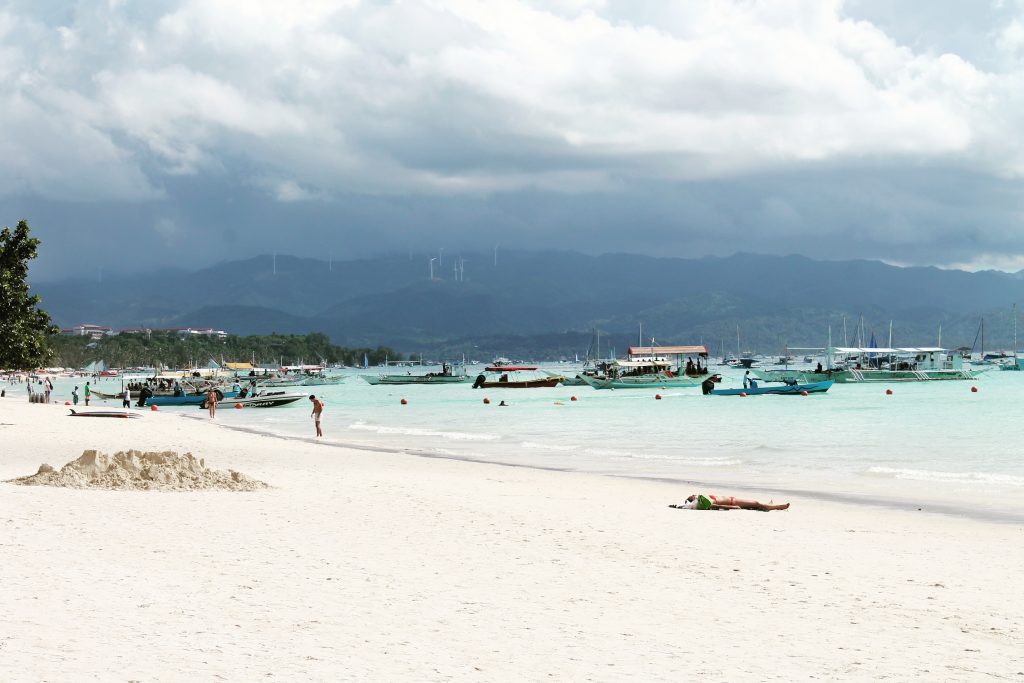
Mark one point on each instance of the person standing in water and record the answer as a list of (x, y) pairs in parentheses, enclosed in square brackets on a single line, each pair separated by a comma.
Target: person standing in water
[(88, 393), (318, 409)]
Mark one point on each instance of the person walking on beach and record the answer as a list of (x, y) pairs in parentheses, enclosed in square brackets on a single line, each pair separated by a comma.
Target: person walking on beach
[(211, 401), (74, 395), (47, 388), (88, 393), (318, 409), (126, 398)]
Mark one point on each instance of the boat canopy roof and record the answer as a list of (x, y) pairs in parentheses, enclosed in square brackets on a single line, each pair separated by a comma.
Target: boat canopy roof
[(641, 363), (667, 350), (508, 368), (872, 349), (293, 368)]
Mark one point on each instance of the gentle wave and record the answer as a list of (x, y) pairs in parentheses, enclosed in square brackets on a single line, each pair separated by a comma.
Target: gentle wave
[(549, 446), (949, 477), (697, 461), (414, 431)]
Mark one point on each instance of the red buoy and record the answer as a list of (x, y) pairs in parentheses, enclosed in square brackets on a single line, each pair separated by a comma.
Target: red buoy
[(67, 403), (154, 408), (888, 392), (487, 401), (974, 390), (803, 393), (743, 393), (657, 397), (238, 406), (404, 402)]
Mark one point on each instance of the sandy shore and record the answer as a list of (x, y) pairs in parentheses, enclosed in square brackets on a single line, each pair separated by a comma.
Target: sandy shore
[(378, 566)]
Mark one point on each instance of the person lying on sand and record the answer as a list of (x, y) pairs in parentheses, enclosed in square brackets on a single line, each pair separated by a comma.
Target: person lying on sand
[(698, 501)]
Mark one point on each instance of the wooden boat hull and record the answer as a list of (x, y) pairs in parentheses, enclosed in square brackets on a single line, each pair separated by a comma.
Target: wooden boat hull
[(776, 389), (520, 384)]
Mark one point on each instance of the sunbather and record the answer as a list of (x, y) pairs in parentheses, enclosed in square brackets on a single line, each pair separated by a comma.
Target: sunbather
[(698, 501)]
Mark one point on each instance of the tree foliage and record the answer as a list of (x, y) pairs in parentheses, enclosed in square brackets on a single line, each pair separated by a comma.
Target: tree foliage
[(25, 329), (168, 349)]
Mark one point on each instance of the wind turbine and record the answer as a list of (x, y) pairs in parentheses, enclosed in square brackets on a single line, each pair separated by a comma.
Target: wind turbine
[(496, 255), (440, 257), (432, 269)]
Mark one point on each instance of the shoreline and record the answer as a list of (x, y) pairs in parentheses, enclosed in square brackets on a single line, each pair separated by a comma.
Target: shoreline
[(844, 498), (356, 566)]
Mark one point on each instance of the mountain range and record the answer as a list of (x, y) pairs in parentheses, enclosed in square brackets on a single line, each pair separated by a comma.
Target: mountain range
[(545, 304)]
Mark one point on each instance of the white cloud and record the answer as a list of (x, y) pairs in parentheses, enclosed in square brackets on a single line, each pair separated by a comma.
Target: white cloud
[(454, 96)]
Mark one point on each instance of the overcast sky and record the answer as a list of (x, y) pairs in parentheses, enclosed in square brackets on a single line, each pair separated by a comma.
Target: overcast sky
[(192, 131)]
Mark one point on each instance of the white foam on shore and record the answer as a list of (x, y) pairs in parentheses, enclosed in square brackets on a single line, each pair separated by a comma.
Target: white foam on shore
[(416, 431), (948, 477)]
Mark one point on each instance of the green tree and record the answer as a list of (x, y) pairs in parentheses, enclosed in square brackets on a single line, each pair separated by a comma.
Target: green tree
[(25, 328)]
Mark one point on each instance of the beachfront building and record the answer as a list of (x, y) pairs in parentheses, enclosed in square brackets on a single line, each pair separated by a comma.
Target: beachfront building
[(85, 330)]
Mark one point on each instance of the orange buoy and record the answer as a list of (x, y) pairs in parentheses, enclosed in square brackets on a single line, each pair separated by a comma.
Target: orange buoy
[(888, 392), (404, 402), (657, 397), (154, 408), (974, 390), (572, 398), (803, 393), (238, 406), (487, 401), (743, 393)]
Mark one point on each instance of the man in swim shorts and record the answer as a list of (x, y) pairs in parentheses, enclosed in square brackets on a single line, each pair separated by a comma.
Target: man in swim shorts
[(318, 409)]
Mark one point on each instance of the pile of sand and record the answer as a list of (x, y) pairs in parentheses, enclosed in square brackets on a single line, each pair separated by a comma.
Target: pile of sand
[(137, 470)]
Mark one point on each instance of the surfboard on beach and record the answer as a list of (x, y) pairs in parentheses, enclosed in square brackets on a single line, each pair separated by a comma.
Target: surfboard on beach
[(103, 413)]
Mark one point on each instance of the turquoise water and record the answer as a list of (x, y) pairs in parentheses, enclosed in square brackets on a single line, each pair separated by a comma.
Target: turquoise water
[(934, 444)]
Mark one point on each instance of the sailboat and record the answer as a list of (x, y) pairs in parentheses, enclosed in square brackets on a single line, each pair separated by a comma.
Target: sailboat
[(1018, 363)]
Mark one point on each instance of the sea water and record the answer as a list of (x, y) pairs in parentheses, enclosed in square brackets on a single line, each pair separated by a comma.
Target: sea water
[(934, 445)]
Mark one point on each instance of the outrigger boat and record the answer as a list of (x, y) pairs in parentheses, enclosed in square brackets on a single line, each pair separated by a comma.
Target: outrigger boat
[(450, 374), (782, 390), (640, 374), (514, 381), (849, 365), (652, 366)]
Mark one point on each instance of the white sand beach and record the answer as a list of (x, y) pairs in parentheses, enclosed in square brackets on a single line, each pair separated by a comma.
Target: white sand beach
[(360, 565)]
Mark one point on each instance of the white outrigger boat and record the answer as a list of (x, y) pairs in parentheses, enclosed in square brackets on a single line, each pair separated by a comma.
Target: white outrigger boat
[(264, 399), (854, 364)]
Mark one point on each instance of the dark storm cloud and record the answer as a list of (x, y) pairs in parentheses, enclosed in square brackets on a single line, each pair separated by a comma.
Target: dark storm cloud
[(191, 131)]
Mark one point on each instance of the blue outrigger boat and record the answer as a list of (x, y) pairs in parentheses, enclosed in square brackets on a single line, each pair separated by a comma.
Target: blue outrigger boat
[(784, 389)]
